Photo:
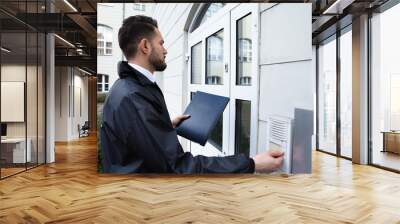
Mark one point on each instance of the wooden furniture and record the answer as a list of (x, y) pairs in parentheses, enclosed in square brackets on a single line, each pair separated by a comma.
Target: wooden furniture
[(391, 141)]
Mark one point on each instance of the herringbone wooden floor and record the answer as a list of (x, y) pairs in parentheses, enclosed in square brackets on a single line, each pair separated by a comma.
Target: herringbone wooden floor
[(71, 191)]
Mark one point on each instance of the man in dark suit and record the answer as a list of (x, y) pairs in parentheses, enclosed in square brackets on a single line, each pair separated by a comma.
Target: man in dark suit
[(137, 135)]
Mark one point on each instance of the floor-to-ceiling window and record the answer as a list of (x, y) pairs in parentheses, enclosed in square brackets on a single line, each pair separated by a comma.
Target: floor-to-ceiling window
[(22, 87), (345, 61), (385, 88), (327, 95), (335, 94)]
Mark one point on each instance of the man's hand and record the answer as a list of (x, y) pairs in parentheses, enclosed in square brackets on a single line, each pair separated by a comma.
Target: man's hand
[(268, 161), (176, 121)]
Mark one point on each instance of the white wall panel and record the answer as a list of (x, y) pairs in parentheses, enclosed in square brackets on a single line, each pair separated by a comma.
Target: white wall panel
[(286, 33), (284, 87)]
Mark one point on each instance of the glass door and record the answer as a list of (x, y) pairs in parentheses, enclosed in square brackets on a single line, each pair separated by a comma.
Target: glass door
[(209, 72), (222, 62)]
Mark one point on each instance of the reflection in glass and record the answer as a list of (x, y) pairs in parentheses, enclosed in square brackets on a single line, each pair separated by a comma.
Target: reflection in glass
[(346, 94), (244, 46), (216, 135), (242, 127), (196, 64), (327, 96), (215, 59)]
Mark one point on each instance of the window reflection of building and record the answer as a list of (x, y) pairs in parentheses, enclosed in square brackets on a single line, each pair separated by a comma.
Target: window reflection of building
[(244, 51), (214, 61), (244, 59)]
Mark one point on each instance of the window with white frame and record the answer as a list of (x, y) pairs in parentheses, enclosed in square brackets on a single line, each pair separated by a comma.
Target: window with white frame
[(219, 60), (102, 83), (104, 40), (139, 7), (212, 9)]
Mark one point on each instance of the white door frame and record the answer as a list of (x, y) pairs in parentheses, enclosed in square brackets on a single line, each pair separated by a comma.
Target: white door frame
[(249, 93), (226, 19), (217, 23)]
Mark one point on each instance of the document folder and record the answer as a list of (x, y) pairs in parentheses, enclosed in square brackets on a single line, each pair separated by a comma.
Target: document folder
[(205, 110)]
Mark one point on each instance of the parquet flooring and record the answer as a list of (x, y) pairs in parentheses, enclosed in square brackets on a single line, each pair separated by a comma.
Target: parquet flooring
[(71, 191)]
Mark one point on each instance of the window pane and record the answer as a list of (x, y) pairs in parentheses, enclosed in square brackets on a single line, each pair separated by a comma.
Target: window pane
[(215, 62), (346, 94), (99, 78), (105, 78), (242, 127), (100, 51), (105, 87), (108, 51), (244, 53), (216, 135), (109, 44), (99, 87), (196, 64), (385, 88), (327, 96)]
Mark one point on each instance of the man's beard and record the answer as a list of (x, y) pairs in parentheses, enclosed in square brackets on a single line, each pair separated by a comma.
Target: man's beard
[(158, 64)]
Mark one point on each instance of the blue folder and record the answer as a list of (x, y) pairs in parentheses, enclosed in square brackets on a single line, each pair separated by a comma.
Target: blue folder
[(205, 111)]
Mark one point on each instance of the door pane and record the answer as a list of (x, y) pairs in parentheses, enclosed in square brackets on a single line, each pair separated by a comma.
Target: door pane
[(244, 52), (215, 59), (242, 127), (346, 94), (327, 96), (196, 64)]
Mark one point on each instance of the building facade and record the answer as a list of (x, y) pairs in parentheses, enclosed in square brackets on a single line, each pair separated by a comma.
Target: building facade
[(108, 51)]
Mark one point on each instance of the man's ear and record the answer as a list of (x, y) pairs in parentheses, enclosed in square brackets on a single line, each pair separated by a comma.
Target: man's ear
[(144, 46)]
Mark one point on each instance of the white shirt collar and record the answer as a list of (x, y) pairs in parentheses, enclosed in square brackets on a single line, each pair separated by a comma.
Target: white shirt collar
[(144, 71)]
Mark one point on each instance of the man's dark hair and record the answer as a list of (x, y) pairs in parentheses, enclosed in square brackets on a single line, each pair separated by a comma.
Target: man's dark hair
[(134, 29)]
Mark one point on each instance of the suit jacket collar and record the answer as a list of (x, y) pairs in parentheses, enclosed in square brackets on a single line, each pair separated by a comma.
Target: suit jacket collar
[(125, 70)]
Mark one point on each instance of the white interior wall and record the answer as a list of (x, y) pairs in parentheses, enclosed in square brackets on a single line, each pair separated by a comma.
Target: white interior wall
[(69, 82)]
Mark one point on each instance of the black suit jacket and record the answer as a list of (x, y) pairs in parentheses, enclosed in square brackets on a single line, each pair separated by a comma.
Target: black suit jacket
[(137, 134)]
